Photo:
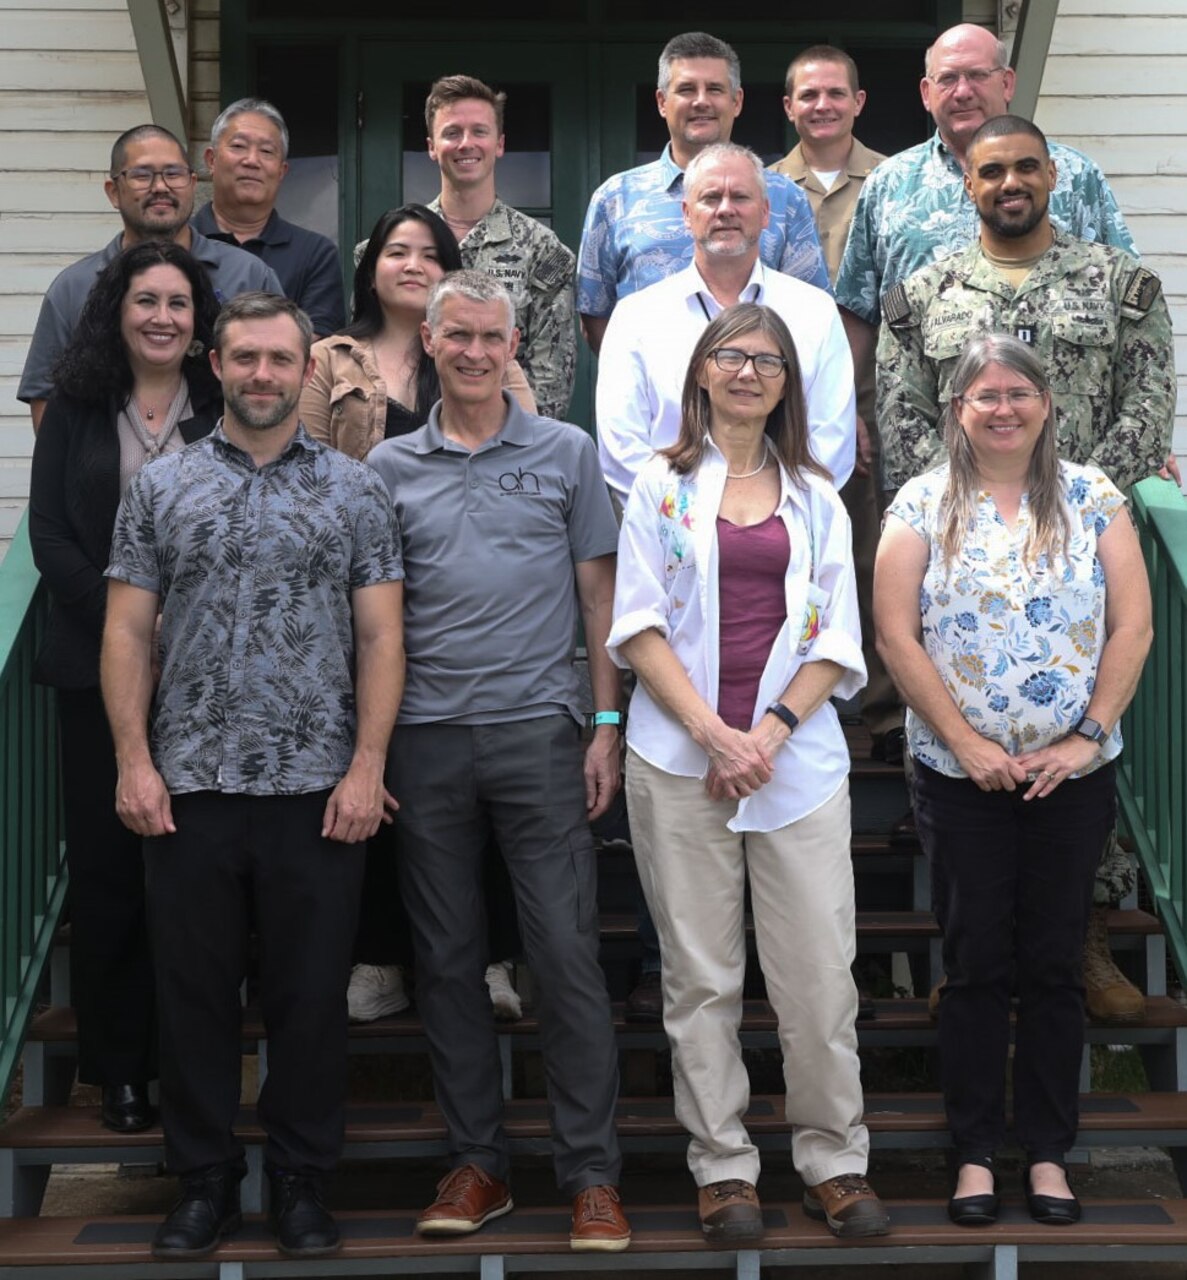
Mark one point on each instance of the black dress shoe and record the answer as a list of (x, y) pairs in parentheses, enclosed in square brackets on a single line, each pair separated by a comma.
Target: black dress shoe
[(126, 1108), (646, 1002), (1055, 1211), (297, 1217), (975, 1211), (207, 1212)]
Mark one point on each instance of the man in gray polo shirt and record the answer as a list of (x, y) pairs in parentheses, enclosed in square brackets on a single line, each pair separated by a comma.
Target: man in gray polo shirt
[(506, 527), (151, 186)]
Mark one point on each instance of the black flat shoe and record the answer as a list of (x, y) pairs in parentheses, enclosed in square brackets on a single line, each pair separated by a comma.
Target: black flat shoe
[(205, 1214), (298, 1217), (975, 1211), (126, 1108), (1055, 1211)]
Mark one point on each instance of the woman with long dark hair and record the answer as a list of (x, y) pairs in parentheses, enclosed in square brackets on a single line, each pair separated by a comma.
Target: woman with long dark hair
[(134, 384)]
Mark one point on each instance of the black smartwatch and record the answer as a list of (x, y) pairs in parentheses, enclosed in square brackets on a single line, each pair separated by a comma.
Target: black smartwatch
[(789, 718), (1092, 730)]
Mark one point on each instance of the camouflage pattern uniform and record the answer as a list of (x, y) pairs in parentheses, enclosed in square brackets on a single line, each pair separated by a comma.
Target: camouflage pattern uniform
[(1098, 323), (536, 269), (1100, 326)]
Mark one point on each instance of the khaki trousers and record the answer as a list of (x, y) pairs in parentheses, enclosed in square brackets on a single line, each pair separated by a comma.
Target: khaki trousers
[(693, 870)]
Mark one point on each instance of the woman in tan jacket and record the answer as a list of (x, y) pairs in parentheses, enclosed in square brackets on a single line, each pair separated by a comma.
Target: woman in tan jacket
[(374, 379)]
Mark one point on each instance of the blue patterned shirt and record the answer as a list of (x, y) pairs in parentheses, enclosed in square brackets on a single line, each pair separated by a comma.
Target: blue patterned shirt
[(913, 211), (634, 234), (254, 568), (1017, 645)]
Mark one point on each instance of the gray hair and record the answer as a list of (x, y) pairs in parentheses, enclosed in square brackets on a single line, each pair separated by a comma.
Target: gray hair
[(1050, 528), (1000, 56), (474, 286), (262, 306), (257, 107), (715, 154), (697, 44)]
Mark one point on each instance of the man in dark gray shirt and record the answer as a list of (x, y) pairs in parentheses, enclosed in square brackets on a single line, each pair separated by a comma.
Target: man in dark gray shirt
[(506, 528), (274, 564), (151, 186)]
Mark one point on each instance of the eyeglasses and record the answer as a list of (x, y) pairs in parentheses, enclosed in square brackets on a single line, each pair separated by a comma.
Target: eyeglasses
[(1018, 398), (976, 77), (175, 176), (731, 360)]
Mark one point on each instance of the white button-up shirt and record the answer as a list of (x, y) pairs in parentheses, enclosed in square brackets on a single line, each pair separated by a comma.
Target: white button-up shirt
[(667, 580), (645, 354)]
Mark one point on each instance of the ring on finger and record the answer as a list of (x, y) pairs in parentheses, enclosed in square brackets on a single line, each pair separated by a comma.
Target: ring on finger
[(1049, 776)]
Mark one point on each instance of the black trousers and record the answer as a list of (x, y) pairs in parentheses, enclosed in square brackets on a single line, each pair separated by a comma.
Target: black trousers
[(1012, 886), (236, 862), (111, 978), (522, 783)]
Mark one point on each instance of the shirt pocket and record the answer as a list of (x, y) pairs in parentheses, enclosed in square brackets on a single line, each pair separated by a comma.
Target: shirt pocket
[(1082, 351)]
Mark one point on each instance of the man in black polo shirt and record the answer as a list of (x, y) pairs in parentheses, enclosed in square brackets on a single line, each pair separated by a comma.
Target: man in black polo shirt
[(247, 159)]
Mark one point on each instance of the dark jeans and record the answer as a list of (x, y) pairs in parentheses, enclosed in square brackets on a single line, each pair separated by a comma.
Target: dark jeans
[(1012, 886), (522, 783), (236, 862), (111, 979)]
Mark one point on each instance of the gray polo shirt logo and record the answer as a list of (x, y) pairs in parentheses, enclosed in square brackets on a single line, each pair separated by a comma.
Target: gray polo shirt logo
[(519, 483)]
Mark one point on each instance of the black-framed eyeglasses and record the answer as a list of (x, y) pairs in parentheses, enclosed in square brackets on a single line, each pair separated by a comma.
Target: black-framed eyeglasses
[(731, 360), (1018, 398), (175, 176)]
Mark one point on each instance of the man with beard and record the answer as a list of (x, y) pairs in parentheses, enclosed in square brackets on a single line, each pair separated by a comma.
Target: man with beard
[(1096, 318), (652, 333), (273, 563), (151, 185)]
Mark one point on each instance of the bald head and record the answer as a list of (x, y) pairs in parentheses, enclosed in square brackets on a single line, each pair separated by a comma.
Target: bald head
[(966, 82)]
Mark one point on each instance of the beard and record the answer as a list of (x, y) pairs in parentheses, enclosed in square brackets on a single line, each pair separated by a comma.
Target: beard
[(718, 248), (1015, 228), (261, 417)]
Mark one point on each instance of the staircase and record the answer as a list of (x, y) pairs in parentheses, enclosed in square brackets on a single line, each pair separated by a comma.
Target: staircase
[(894, 918)]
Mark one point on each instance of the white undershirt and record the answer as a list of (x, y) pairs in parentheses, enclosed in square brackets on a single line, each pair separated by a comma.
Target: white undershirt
[(827, 178)]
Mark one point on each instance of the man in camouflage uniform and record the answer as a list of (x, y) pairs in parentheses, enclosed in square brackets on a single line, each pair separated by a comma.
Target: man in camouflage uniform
[(464, 118), (1100, 325)]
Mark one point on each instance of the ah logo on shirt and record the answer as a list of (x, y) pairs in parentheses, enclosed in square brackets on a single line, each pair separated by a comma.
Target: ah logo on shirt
[(520, 482)]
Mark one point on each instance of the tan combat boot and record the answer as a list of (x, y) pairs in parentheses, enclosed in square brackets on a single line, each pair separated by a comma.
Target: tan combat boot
[(1109, 994)]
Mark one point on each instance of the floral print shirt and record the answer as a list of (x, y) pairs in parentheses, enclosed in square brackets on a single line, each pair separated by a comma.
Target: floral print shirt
[(1017, 645)]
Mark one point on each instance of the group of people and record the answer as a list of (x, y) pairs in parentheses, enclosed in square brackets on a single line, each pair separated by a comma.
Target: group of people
[(316, 590)]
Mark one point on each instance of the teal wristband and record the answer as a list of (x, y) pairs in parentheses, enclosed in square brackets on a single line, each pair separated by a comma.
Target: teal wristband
[(607, 717)]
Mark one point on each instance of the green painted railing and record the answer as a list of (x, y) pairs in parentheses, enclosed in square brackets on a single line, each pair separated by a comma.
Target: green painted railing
[(1152, 782), (32, 865)]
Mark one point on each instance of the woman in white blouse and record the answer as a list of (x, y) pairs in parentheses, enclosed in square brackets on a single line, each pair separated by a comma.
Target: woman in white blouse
[(735, 606), (1013, 611)]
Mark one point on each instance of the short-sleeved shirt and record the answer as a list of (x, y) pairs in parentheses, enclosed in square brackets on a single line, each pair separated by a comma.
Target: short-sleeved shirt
[(1017, 645), (490, 540), (913, 210), (231, 270), (635, 235), (305, 262), (254, 568)]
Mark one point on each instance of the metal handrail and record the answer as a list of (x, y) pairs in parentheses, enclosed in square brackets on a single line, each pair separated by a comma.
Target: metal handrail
[(32, 851), (1152, 774)]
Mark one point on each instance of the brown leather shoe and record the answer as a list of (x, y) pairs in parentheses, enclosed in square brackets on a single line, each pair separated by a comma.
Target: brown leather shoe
[(466, 1198), (849, 1205), (599, 1224), (1108, 994), (729, 1211)]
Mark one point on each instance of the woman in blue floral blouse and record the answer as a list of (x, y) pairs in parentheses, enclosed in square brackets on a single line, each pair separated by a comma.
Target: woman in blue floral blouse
[(1013, 611)]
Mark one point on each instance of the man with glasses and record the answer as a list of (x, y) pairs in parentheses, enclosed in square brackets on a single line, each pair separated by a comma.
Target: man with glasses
[(248, 160), (652, 333), (151, 185)]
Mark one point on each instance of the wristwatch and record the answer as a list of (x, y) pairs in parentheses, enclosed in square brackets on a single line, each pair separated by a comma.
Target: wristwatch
[(1092, 730), (789, 717)]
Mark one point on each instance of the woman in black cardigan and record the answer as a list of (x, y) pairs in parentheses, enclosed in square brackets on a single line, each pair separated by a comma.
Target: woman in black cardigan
[(134, 383)]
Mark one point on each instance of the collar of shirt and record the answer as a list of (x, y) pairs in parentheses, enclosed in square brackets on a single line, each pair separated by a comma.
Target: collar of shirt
[(698, 293), (275, 231), (301, 441), (517, 429), (940, 154), (673, 174)]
